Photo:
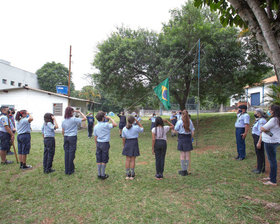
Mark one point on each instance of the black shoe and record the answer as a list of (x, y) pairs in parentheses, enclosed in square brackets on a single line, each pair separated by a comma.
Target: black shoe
[(26, 167), (49, 171), (10, 153), (98, 176), (7, 162), (157, 176), (104, 177)]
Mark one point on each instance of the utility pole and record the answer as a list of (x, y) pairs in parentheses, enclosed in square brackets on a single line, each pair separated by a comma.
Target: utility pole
[(69, 77)]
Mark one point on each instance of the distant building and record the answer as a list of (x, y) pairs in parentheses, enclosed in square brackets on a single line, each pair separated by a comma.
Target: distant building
[(38, 102), (256, 95), (12, 77)]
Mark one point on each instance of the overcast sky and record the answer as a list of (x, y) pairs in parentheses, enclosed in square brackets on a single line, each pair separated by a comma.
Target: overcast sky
[(34, 32)]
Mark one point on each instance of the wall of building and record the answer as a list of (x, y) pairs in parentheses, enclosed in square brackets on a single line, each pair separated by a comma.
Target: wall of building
[(17, 76), (36, 103)]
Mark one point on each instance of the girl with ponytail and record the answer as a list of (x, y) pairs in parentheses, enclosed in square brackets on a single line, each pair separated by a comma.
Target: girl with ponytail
[(130, 142), (23, 119), (185, 130)]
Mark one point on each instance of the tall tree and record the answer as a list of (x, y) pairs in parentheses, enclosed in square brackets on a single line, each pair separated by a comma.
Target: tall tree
[(52, 74), (261, 16)]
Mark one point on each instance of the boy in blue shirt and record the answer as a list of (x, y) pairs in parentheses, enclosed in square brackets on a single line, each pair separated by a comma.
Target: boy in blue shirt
[(102, 138)]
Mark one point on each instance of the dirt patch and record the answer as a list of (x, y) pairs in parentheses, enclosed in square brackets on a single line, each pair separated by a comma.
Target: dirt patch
[(48, 221), (205, 149), (142, 163), (266, 204)]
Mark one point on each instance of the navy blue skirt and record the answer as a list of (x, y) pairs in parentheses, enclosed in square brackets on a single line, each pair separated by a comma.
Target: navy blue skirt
[(131, 147), (153, 125), (185, 142), (121, 125)]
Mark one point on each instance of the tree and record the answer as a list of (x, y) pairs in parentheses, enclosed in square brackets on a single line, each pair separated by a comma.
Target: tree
[(52, 74), (261, 16), (131, 62)]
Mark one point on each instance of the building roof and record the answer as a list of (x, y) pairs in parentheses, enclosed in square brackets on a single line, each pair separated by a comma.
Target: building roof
[(47, 92), (269, 80)]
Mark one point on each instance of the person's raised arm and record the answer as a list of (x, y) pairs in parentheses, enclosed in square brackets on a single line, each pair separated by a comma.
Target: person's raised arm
[(113, 122), (170, 124), (84, 116), (137, 122), (55, 123), (30, 118)]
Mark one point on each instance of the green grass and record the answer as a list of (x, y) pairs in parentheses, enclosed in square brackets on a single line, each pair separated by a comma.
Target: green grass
[(213, 193)]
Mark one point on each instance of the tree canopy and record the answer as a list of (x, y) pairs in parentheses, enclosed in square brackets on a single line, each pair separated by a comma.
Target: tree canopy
[(52, 74), (261, 16), (131, 62)]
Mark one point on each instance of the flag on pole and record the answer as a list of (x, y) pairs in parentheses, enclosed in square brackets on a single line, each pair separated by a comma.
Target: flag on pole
[(162, 91)]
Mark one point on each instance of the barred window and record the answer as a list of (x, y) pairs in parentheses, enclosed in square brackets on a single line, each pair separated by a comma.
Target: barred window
[(57, 109)]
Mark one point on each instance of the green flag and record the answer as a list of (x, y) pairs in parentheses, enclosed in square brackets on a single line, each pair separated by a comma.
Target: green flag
[(162, 91)]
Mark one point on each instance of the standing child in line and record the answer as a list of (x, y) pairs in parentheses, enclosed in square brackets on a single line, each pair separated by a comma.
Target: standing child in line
[(102, 138), (122, 123), (185, 130), (137, 118), (159, 145), (23, 119), (70, 131), (173, 119), (130, 142), (48, 128), (90, 121), (153, 120)]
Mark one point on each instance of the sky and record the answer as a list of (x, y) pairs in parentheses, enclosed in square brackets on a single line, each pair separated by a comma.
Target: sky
[(34, 32)]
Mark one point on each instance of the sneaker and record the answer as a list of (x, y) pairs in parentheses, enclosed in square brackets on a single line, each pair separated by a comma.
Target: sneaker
[(98, 176), (7, 162), (270, 183), (183, 172), (26, 167), (104, 177), (128, 176), (256, 171), (132, 176), (10, 153)]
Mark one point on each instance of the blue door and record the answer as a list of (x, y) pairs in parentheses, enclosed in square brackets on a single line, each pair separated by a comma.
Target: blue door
[(255, 99)]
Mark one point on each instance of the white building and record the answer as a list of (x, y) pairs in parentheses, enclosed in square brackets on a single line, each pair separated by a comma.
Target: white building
[(12, 77), (38, 102), (257, 95)]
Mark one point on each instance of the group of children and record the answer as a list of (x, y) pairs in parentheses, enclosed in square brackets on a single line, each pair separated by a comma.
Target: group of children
[(130, 129)]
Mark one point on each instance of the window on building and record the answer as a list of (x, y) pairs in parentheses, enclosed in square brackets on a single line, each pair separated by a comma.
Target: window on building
[(57, 109), (4, 81), (19, 84), (12, 83)]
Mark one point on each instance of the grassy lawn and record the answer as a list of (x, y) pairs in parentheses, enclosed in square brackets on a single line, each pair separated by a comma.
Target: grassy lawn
[(214, 193)]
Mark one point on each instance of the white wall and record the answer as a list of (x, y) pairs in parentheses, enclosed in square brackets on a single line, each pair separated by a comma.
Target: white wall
[(17, 75), (36, 103)]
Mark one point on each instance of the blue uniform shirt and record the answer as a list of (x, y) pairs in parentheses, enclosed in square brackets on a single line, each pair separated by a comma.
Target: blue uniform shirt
[(153, 119), (133, 132), (3, 122), (179, 116), (256, 129), (242, 119), (48, 129), (179, 127), (90, 119), (23, 126), (102, 131), (70, 126)]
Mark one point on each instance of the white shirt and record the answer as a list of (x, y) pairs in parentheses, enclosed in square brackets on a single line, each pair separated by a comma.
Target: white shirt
[(161, 132), (272, 126), (256, 129), (242, 120)]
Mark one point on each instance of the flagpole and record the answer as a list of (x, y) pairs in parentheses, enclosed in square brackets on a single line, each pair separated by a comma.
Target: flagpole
[(198, 100)]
